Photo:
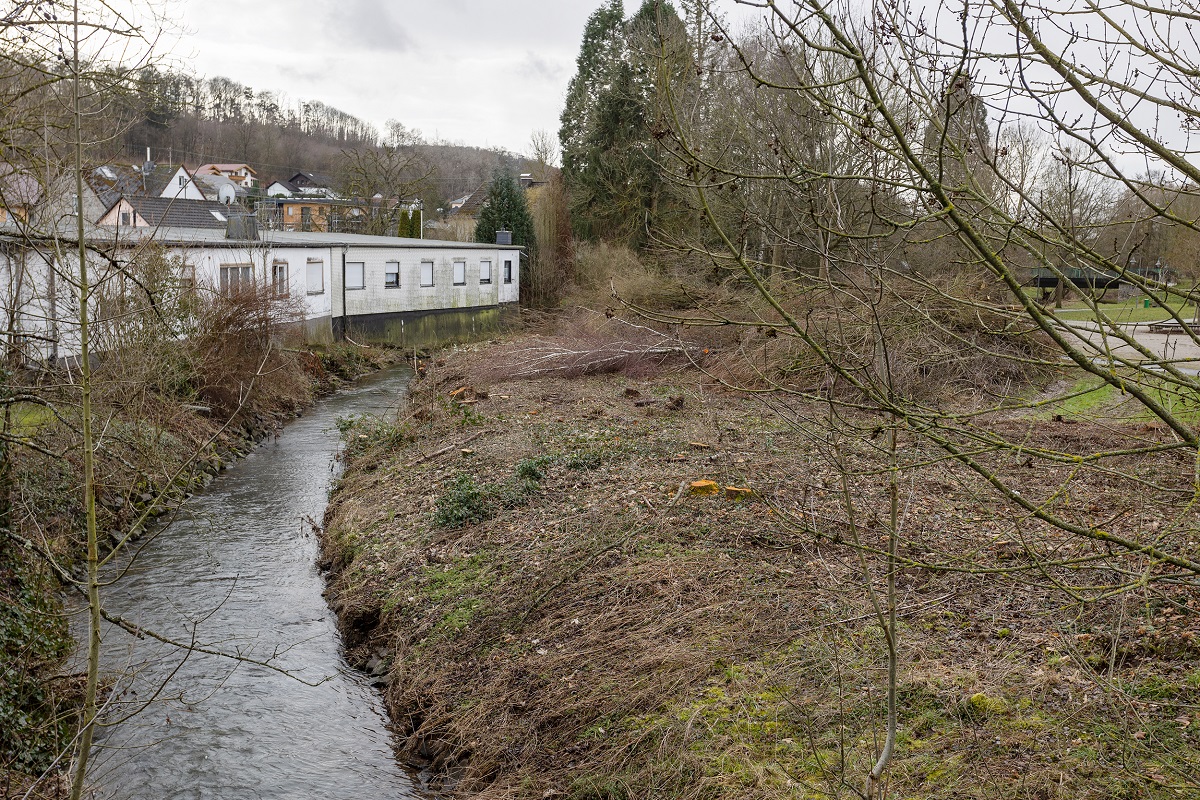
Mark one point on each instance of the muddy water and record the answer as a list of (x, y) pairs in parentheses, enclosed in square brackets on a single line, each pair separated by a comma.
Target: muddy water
[(237, 574)]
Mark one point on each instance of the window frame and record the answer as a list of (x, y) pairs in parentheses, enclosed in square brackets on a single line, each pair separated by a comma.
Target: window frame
[(432, 276), (485, 276), (362, 276), (508, 270), (245, 277), (458, 272), (187, 280), (388, 271), (319, 263), (282, 288)]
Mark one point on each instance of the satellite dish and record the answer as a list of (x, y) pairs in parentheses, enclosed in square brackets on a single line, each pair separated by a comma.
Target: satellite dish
[(226, 194)]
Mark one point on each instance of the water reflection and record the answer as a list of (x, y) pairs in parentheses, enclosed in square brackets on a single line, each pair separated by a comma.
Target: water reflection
[(236, 573)]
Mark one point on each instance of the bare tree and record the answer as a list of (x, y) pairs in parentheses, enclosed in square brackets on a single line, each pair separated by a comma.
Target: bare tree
[(543, 151), (958, 207), (96, 332), (387, 175)]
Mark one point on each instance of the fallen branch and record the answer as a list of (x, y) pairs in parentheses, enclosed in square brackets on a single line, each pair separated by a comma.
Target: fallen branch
[(447, 449)]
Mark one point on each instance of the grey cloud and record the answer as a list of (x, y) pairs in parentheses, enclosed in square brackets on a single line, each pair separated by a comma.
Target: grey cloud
[(367, 24), (535, 67)]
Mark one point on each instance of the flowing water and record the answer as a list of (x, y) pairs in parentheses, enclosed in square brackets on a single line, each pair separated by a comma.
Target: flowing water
[(236, 573)]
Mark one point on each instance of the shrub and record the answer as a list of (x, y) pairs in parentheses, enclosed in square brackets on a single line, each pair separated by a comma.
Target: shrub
[(581, 462), (533, 469), (462, 504)]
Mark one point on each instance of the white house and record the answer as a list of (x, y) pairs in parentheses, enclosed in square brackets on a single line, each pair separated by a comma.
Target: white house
[(167, 181), (413, 291), (182, 186), (241, 174), (404, 292), (281, 189), (370, 288)]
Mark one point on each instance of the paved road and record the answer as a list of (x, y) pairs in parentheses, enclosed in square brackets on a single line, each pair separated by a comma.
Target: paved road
[(1178, 347)]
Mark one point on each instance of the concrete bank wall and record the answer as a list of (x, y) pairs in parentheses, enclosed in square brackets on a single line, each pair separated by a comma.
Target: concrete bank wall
[(427, 328)]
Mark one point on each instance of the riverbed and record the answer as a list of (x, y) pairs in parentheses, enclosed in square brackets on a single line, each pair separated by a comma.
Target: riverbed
[(236, 573)]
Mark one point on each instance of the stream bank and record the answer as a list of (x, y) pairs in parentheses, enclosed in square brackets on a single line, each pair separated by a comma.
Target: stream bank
[(553, 616), (147, 465), (236, 574)]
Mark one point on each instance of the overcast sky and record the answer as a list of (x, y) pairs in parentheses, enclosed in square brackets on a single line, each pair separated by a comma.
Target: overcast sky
[(479, 72)]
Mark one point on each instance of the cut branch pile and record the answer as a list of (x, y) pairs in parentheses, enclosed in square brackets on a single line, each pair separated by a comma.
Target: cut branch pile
[(594, 347)]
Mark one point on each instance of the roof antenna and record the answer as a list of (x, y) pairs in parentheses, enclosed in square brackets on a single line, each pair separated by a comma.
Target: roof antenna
[(147, 168)]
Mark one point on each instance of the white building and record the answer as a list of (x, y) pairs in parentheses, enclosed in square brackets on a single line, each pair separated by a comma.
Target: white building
[(404, 292)]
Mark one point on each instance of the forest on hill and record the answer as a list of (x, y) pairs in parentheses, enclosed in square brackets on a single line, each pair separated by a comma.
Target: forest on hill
[(197, 120)]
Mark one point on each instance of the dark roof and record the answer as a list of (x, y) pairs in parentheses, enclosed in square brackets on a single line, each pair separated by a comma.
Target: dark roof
[(474, 202), (113, 181), (18, 188), (177, 213), (304, 180), (291, 187)]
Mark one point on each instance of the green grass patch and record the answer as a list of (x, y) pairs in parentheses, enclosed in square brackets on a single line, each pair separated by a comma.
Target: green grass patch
[(1131, 310), (368, 431), (1085, 399), (457, 578), (1092, 398), (29, 418), (465, 502)]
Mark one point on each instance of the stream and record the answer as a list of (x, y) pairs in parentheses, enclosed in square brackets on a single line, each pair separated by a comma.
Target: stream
[(236, 573)]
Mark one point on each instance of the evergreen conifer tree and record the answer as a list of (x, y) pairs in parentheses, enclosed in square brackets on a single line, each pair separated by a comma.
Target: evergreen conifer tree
[(614, 166), (505, 208), (403, 223), (599, 54)]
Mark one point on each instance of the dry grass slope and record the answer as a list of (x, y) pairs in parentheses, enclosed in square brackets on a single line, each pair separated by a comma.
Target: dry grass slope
[(554, 617)]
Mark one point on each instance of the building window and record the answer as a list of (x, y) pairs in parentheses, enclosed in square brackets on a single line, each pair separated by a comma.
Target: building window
[(306, 218), (126, 219), (236, 278), (460, 273), (427, 273), (508, 270), (391, 275), (356, 275), (187, 279), (183, 180), (279, 278), (314, 276), (485, 271)]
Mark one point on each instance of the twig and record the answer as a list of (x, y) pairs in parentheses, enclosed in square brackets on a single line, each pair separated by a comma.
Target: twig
[(596, 554), (447, 449)]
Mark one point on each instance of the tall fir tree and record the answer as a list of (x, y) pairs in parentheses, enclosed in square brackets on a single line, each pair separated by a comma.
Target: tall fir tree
[(505, 208), (599, 54), (958, 141), (615, 174)]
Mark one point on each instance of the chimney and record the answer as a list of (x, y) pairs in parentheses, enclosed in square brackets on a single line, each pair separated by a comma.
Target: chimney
[(503, 237), (242, 227)]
